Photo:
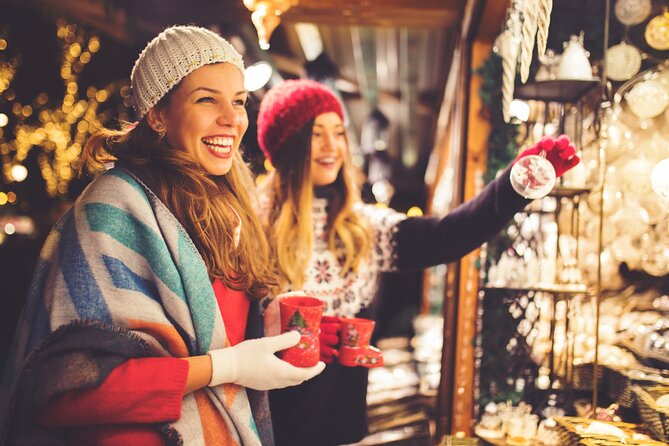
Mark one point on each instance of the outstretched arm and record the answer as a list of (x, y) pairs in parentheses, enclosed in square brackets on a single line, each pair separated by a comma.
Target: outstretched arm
[(428, 241)]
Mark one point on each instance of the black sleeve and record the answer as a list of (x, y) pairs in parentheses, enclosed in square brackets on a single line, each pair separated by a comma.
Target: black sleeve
[(429, 241)]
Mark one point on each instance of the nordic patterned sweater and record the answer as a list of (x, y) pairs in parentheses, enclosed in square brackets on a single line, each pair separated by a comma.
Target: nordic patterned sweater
[(403, 244), (330, 409)]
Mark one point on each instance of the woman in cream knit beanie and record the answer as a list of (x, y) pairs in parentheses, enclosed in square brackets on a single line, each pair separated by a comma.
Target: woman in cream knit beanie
[(148, 326)]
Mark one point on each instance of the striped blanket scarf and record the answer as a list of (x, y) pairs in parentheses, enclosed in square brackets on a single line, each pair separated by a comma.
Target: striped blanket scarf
[(119, 278)]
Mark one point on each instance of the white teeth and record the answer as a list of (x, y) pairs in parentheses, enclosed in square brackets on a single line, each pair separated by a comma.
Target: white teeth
[(219, 144), (219, 141), (326, 160)]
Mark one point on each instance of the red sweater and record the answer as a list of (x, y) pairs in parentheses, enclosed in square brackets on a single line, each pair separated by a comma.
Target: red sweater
[(139, 393)]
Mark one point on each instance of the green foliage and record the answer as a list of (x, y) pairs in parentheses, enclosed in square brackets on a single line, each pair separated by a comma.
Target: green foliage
[(502, 139)]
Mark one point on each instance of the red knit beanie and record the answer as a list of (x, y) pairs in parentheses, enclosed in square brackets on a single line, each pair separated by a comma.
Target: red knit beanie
[(287, 107)]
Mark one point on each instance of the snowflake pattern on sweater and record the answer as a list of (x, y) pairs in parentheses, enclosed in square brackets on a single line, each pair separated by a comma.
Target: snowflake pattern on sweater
[(346, 294)]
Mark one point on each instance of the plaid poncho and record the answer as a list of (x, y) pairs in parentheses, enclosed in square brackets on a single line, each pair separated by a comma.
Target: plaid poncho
[(119, 277)]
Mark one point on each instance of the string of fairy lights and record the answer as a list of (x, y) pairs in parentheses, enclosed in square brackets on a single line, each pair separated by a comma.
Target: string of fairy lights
[(56, 128)]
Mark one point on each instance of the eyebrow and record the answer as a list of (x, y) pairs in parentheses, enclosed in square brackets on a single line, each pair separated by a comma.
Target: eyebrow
[(321, 125), (213, 90)]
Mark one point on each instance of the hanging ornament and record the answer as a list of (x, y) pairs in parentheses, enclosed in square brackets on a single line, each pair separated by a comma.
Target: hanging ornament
[(530, 10), (509, 62), (632, 12), (659, 179), (543, 23), (622, 61), (574, 63), (647, 99), (657, 32), (507, 44), (266, 16)]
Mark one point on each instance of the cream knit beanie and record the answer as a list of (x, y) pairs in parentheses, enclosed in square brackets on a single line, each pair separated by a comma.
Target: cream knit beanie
[(171, 56)]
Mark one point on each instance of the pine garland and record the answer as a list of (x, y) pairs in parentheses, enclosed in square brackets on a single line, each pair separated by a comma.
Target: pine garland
[(501, 141)]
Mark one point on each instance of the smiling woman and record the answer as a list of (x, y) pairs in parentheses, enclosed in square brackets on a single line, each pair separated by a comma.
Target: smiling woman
[(206, 116), (145, 305)]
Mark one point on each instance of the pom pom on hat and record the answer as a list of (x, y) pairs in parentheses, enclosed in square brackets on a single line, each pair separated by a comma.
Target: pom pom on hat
[(289, 106), (172, 55)]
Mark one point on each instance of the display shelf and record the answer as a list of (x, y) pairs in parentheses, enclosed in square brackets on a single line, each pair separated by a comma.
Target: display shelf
[(559, 90), (654, 359), (554, 288), (569, 192)]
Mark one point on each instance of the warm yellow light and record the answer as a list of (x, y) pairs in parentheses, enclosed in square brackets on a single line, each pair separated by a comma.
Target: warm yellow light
[(101, 95), (75, 50), (85, 57), (19, 172), (414, 211), (11, 197), (4, 120), (68, 100), (94, 45), (266, 16), (3, 198), (3, 44), (10, 229)]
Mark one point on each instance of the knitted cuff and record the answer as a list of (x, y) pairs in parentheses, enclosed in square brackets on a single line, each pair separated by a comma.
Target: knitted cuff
[(224, 366)]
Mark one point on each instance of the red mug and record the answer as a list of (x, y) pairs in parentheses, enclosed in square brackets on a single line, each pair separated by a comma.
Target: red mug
[(302, 314), (354, 349)]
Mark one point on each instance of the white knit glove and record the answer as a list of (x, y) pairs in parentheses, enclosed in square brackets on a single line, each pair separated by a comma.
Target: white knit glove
[(253, 364)]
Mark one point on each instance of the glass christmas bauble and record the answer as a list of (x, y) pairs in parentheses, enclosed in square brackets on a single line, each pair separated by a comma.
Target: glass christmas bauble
[(657, 32), (622, 61), (632, 12), (659, 179), (647, 99), (533, 176)]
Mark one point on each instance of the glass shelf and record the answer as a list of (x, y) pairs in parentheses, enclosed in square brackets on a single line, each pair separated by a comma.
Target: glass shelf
[(566, 91), (569, 192), (558, 288)]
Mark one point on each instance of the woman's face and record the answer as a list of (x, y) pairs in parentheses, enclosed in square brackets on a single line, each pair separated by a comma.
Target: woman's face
[(329, 146), (206, 116)]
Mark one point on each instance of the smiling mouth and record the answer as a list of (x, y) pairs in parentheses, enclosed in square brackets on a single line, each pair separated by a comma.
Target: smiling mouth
[(219, 145), (328, 161)]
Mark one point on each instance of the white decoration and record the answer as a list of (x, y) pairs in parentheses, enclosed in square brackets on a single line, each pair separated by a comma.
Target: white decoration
[(601, 428), (574, 63), (622, 61), (663, 401), (659, 179), (543, 22), (647, 99), (632, 12), (508, 50), (530, 11)]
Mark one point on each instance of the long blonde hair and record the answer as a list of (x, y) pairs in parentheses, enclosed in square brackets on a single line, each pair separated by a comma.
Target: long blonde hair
[(289, 223), (208, 207)]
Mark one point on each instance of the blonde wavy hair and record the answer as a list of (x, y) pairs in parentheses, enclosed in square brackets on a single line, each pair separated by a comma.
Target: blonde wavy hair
[(208, 207), (289, 222)]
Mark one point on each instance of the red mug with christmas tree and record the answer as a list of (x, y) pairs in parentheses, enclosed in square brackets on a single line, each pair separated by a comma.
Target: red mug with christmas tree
[(303, 314)]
